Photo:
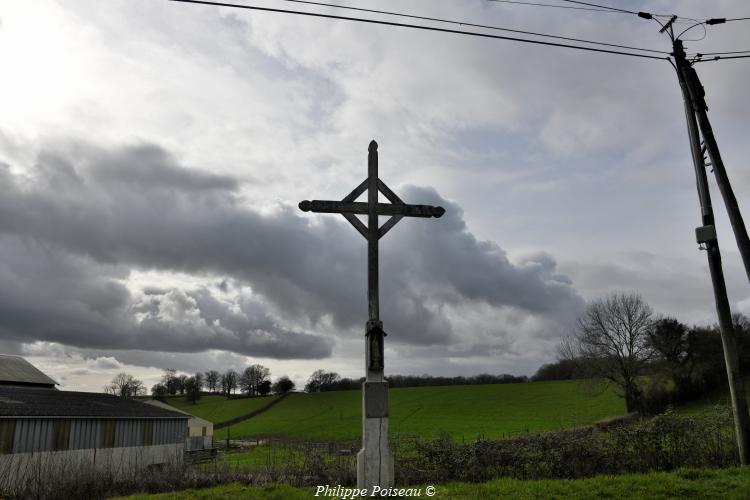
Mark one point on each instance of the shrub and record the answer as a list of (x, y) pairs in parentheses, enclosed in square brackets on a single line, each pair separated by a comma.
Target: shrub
[(665, 442)]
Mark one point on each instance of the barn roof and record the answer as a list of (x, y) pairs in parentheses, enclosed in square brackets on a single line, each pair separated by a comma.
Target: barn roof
[(22, 402), (15, 369)]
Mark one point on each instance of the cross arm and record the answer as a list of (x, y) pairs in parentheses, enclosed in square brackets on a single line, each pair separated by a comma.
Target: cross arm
[(343, 207)]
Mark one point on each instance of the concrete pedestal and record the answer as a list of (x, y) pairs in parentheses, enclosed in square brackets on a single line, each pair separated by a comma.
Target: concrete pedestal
[(374, 460)]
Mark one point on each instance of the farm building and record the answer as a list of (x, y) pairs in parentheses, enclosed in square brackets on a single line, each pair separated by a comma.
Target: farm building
[(17, 372), (200, 431), (63, 429), (45, 431)]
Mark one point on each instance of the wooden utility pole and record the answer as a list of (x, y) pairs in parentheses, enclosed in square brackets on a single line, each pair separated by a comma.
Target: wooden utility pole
[(706, 235), (697, 99), (374, 460)]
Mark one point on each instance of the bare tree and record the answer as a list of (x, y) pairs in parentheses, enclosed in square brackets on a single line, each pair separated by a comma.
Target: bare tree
[(125, 386), (229, 382), (170, 380), (252, 378), (193, 389), (199, 381), (212, 380), (321, 380), (181, 383), (611, 341)]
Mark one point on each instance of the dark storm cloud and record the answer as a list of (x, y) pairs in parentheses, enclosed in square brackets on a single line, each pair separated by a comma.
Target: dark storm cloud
[(81, 219), (149, 165), (51, 295)]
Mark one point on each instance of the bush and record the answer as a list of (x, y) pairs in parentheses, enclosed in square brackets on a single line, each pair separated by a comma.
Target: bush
[(663, 443)]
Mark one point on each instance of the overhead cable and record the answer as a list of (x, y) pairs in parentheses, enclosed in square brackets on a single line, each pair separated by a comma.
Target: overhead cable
[(536, 4), (720, 58), (415, 26), (721, 53), (472, 25), (616, 9), (595, 8), (722, 20)]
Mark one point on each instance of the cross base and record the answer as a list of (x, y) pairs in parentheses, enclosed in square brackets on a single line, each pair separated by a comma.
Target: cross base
[(374, 460)]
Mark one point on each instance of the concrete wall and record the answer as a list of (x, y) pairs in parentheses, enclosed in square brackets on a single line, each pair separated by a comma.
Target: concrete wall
[(196, 425), (119, 463), (199, 443)]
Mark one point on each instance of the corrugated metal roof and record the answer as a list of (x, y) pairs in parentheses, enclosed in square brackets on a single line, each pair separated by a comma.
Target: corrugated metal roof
[(17, 369), (20, 402)]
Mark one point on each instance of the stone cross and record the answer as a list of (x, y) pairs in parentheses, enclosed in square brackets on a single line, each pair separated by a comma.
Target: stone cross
[(374, 460)]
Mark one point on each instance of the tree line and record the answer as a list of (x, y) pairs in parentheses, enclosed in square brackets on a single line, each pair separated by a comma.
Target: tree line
[(652, 360), (255, 380), (322, 381)]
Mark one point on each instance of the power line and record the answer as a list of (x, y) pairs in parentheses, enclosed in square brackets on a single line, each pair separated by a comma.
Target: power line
[(460, 23), (721, 53), (416, 26), (615, 9), (697, 23), (717, 58), (597, 8), (722, 20), (554, 6)]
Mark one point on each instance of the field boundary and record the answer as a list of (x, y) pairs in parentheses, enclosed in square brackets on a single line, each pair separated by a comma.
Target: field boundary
[(256, 412)]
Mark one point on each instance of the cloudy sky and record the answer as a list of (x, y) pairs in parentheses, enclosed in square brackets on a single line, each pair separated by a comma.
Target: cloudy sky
[(152, 155)]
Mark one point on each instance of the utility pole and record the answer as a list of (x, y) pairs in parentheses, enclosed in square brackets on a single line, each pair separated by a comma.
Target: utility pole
[(697, 98), (706, 236)]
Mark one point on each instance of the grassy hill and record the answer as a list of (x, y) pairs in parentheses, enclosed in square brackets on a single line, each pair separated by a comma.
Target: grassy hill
[(218, 408), (469, 411)]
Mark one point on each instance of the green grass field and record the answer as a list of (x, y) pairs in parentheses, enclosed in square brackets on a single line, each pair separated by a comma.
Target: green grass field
[(218, 408), (491, 411), (729, 484)]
